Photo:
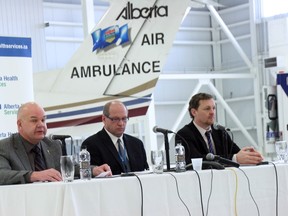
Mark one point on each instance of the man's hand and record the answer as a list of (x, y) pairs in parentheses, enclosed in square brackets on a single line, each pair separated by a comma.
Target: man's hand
[(248, 155), (50, 175), (103, 168)]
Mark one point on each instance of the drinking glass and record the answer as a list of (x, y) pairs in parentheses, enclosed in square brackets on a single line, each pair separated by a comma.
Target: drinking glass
[(197, 163), (281, 151), (67, 168), (157, 159)]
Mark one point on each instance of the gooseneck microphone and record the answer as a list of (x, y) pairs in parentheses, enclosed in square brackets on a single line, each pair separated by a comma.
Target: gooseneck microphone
[(225, 137), (156, 129), (165, 132), (62, 139), (212, 157)]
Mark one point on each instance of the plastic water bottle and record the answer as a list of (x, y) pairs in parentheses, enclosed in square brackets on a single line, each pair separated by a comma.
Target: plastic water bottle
[(180, 157), (84, 160)]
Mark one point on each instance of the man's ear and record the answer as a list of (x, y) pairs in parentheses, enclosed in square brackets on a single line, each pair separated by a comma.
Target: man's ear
[(193, 112), (103, 118), (19, 123)]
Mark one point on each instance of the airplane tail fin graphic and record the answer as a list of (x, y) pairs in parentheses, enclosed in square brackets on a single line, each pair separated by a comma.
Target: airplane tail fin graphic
[(122, 58)]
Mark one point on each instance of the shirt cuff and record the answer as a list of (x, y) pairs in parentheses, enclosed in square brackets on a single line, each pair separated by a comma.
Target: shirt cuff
[(234, 158)]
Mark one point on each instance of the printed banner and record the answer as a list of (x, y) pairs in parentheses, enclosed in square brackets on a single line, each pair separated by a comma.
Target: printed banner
[(16, 80)]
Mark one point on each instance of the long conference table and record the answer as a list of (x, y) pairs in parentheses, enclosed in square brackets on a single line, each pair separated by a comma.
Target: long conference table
[(251, 191)]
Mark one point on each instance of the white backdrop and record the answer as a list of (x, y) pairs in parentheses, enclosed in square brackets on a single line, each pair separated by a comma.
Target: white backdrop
[(16, 82)]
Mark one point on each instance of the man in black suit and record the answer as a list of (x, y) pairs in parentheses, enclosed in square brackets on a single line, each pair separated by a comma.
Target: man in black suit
[(202, 111), (127, 156)]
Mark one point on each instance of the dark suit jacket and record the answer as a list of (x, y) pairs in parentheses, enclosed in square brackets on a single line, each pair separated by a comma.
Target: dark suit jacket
[(14, 161), (197, 147), (102, 150)]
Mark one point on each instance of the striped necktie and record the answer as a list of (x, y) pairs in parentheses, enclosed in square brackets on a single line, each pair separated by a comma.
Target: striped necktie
[(38, 159), (210, 145), (123, 156)]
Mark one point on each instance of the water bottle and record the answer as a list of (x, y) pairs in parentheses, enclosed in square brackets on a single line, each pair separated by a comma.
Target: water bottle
[(84, 160), (180, 157)]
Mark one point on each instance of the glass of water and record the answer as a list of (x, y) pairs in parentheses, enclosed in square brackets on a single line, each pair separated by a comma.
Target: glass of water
[(67, 168), (157, 159), (281, 151)]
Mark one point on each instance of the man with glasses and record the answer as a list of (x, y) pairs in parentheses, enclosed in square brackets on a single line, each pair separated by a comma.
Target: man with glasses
[(122, 152)]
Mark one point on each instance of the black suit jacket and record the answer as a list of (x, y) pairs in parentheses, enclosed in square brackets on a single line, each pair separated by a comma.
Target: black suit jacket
[(197, 147), (102, 150)]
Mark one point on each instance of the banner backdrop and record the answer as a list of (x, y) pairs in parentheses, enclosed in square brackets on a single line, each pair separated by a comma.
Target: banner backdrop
[(16, 81)]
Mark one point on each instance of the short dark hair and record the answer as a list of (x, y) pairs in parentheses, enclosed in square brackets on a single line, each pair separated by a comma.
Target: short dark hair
[(195, 101)]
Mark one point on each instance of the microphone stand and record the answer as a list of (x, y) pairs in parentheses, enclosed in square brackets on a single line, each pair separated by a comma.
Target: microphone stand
[(167, 150)]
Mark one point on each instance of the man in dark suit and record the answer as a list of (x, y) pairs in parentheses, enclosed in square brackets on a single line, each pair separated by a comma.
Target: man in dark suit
[(203, 138), (107, 145), (18, 163)]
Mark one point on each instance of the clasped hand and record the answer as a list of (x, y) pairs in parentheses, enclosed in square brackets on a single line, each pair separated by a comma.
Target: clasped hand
[(248, 155)]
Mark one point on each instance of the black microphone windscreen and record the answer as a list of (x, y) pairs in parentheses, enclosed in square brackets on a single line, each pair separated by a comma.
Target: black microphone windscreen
[(210, 157), (218, 126), (155, 129)]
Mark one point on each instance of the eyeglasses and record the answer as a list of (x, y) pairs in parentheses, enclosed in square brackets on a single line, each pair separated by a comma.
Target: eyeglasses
[(117, 120)]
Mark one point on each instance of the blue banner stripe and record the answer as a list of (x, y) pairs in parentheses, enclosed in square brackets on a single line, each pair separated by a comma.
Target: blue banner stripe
[(96, 109), (14, 46)]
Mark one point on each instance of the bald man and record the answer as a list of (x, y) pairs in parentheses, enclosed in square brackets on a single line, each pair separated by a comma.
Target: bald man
[(17, 154), (122, 152)]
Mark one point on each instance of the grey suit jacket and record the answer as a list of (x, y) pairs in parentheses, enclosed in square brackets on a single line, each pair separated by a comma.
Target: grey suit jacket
[(14, 161)]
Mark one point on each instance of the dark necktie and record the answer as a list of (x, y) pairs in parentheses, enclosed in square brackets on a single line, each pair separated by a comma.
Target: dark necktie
[(210, 145), (123, 156), (38, 159)]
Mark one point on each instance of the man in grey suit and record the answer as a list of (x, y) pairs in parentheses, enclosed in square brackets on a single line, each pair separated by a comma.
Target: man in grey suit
[(17, 152)]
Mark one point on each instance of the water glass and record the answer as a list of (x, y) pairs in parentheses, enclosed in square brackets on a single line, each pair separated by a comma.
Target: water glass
[(67, 168), (157, 159), (197, 163), (281, 151)]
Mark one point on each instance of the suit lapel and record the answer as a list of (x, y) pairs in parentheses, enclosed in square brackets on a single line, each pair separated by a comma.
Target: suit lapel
[(110, 145), (199, 139), (21, 152), (128, 147), (220, 145), (47, 154)]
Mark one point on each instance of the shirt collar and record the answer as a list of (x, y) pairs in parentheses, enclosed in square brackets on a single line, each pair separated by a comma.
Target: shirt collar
[(201, 130), (27, 145), (114, 138)]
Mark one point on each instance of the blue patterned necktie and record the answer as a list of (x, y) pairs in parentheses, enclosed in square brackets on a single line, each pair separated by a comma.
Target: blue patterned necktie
[(38, 159), (210, 145), (123, 156)]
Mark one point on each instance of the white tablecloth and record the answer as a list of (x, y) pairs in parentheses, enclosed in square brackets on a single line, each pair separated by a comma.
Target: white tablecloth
[(122, 195)]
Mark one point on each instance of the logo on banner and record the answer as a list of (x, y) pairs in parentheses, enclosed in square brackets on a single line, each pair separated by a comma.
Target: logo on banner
[(129, 12), (111, 35)]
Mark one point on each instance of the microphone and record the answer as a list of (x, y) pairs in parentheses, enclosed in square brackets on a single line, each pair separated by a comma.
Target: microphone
[(220, 127), (212, 157), (54, 137), (165, 132), (161, 130)]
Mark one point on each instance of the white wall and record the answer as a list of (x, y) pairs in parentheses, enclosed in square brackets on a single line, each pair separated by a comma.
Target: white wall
[(25, 19), (200, 48)]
